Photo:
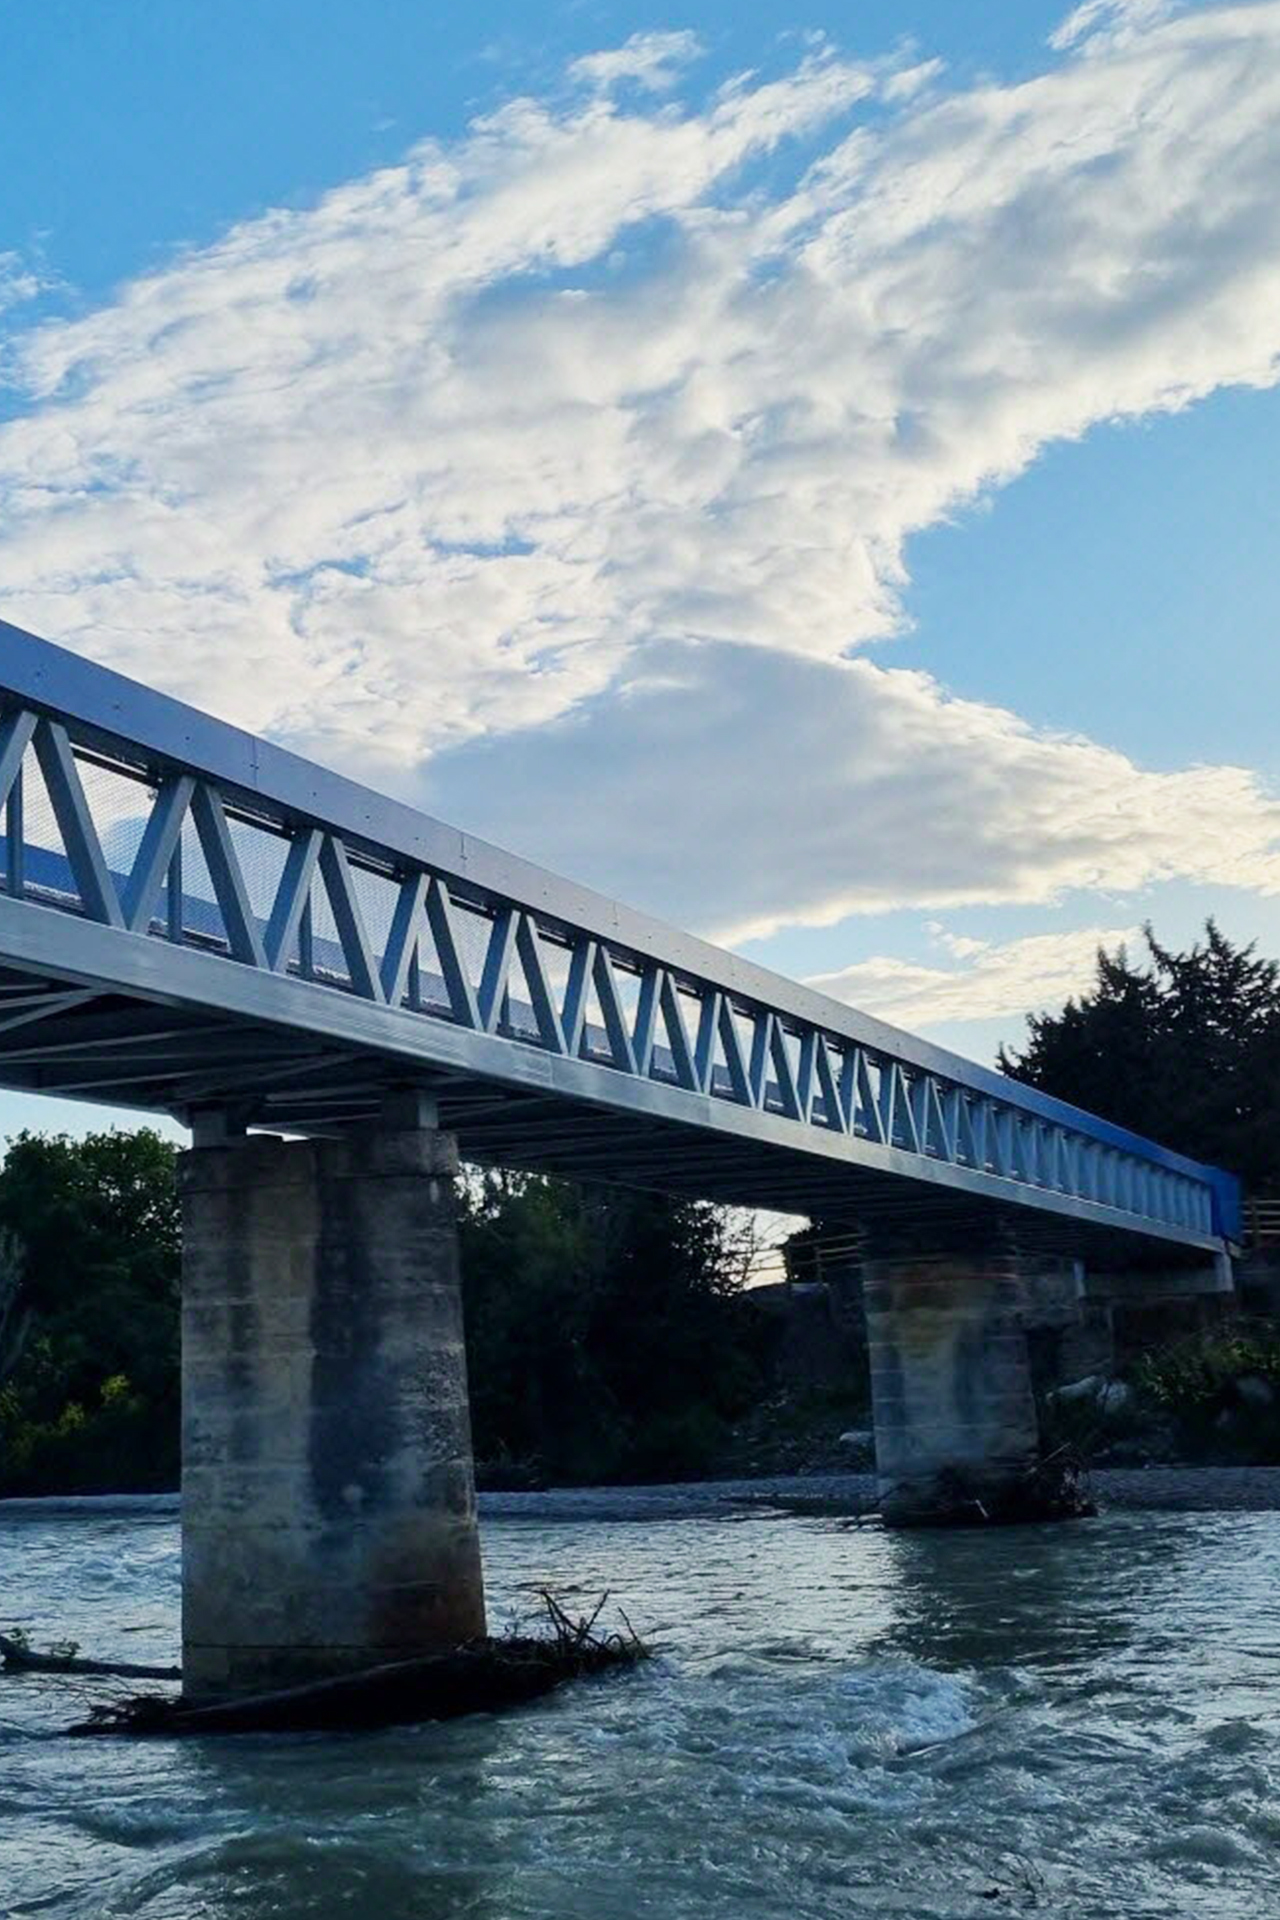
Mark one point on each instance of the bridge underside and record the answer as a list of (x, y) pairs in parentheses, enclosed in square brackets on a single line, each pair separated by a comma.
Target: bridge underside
[(76, 1041)]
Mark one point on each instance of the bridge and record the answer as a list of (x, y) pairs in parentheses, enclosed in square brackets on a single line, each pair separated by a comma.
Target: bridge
[(339, 994)]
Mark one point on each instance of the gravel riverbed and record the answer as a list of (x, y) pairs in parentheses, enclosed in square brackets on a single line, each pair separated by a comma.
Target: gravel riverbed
[(1177, 1489), (1169, 1489)]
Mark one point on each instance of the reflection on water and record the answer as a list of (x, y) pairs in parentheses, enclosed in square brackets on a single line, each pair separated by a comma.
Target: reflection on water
[(1077, 1720), (1056, 1600)]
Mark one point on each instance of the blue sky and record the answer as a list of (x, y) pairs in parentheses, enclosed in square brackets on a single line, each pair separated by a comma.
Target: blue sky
[(149, 124), (818, 485)]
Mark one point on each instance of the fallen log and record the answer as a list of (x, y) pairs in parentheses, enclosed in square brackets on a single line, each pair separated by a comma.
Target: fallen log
[(17, 1657), (482, 1676)]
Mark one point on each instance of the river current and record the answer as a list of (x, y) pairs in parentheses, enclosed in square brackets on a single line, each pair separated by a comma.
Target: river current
[(1078, 1720)]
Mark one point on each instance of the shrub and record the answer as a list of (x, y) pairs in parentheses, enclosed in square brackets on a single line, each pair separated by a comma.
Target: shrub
[(1220, 1390)]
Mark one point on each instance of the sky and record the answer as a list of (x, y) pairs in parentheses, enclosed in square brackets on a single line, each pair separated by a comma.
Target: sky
[(816, 485)]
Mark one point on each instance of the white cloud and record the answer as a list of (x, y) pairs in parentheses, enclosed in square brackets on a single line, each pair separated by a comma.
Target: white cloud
[(364, 468), (738, 791), (1105, 22), (1000, 982), (650, 60), (960, 946), (586, 424), (19, 281)]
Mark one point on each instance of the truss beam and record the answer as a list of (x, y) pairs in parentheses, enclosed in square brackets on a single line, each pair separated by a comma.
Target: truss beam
[(267, 897)]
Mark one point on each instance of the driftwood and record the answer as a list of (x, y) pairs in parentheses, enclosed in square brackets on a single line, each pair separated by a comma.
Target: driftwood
[(17, 1657), (1053, 1487), (480, 1677)]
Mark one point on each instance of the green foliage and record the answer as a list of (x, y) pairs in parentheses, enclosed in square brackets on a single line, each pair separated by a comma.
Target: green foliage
[(1220, 1391), (607, 1337), (90, 1401), (15, 1310), (606, 1332), (1196, 1372), (1184, 1047)]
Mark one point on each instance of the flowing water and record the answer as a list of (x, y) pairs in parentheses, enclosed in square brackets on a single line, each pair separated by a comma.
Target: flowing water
[(1074, 1721)]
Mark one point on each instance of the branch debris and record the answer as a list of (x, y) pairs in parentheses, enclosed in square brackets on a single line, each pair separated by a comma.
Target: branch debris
[(17, 1657), (482, 1676)]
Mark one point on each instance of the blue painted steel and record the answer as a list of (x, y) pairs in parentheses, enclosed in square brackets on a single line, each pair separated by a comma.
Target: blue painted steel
[(465, 958)]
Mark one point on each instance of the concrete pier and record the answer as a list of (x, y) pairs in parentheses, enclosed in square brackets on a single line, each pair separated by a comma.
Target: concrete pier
[(329, 1515), (955, 1420)]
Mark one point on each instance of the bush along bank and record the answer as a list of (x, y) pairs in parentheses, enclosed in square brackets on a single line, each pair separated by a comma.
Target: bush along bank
[(1211, 1398)]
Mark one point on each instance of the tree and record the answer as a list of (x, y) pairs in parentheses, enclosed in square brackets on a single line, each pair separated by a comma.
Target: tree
[(607, 1336), (1184, 1048), (606, 1331), (15, 1308), (92, 1394)]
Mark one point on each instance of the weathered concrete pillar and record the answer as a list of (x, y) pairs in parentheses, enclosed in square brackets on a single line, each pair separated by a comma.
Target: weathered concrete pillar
[(328, 1503), (957, 1436)]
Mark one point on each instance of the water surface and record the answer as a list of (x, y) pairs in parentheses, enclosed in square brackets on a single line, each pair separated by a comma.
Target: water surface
[(1077, 1721)]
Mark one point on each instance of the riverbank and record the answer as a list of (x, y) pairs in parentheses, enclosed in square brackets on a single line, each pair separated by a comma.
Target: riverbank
[(1167, 1489)]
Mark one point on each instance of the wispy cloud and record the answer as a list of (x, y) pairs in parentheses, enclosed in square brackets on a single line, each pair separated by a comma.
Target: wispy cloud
[(994, 982), (593, 423), (19, 281), (651, 60), (1102, 23)]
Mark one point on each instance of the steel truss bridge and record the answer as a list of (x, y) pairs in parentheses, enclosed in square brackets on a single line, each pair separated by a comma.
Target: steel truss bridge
[(192, 918)]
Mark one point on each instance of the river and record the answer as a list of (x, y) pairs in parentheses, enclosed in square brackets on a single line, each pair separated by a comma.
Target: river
[(1078, 1720)]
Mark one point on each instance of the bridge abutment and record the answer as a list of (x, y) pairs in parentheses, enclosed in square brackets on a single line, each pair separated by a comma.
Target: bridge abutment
[(329, 1517), (956, 1430)]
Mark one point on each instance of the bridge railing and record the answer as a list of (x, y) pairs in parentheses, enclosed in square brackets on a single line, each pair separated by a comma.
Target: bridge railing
[(202, 850), (1262, 1222)]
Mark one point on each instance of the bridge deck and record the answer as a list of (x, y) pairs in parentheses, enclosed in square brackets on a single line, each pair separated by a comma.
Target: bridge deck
[(193, 917)]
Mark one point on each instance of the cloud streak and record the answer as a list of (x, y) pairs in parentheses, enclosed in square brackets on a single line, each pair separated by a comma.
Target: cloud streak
[(650, 60), (994, 982), (19, 281)]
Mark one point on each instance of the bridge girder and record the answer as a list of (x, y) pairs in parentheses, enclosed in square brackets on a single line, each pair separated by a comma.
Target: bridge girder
[(193, 917)]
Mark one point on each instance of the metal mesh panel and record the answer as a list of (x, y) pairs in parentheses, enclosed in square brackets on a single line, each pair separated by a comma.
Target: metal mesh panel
[(261, 855), (201, 915), (719, 1080), (771, 1098), (47, 871), (518, 1017), (556, 961), (472, 929), (432, 992), (328, 960), (900, 1133), (662, 1066), (628, 993), (965, 1124), (825, 1111), (119, 805), (376, 896), (870, 1086), (690, 1004), (595, 1036), (745, 1027)]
